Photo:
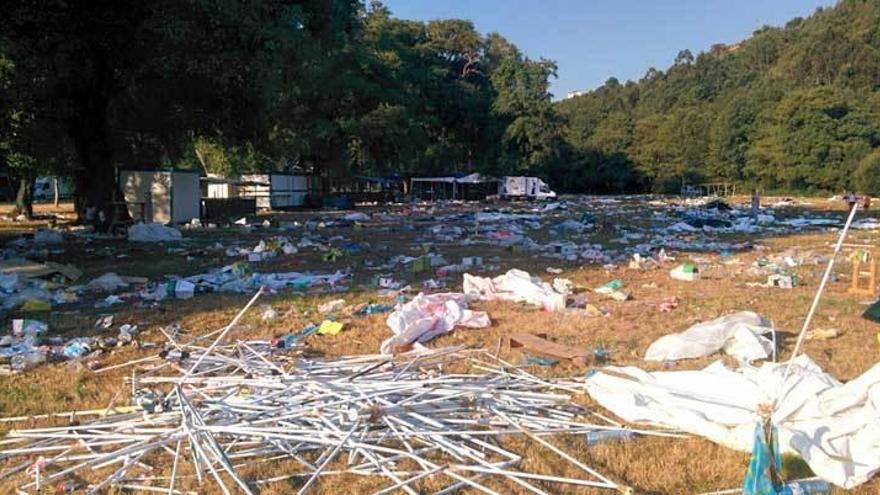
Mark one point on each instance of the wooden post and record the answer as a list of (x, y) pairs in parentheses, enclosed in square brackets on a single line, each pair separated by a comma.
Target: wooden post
[(857, 273)]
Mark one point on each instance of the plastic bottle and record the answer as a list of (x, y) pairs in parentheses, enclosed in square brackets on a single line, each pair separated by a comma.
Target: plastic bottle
[(806, 487), (27, 361), (76, 349), (285, 342), (599, 436)]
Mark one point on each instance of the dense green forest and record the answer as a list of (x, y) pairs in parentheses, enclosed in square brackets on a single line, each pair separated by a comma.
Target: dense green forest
[(791, 108), (342, 87)]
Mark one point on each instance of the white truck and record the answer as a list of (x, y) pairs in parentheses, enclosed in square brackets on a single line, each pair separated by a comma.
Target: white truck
[(524, 188)]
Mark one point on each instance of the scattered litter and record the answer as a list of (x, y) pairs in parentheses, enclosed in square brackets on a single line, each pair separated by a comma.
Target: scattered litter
[(685, 272), (356, 217), (108, 282), (27, 269), (611, 435), (782, 281), (374, 309), (331, 306), (427, 316), (612, 290), (36, 305), (153, 232), (668, 304), (48, 237), (873, 312), (822, 333), (32, 328), (517, 286), (538, 344), (740, 335), (104, 322), (388, 283), (329, 327), (269, 313), (530, 360), (77, 348)]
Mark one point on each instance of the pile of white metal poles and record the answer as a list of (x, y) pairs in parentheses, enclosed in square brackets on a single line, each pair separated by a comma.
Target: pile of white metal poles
[(220, 410)]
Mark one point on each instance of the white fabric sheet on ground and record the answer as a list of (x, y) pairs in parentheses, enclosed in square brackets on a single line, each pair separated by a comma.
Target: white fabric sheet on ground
[(834, 427), (739, 334), (428, 316), (153, 232), (515, 285)]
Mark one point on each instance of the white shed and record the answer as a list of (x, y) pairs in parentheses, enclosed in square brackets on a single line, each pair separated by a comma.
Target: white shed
[(219, 187), (161, 196), (276, 191)]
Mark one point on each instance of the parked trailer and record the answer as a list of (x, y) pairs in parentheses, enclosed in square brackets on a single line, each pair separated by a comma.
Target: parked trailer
[(525, 188)]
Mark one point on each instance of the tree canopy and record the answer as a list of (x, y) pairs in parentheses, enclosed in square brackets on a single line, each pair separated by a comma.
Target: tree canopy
[(329, 87)]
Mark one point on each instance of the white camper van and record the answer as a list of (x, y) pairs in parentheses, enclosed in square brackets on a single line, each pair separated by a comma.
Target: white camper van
[(524, 187)]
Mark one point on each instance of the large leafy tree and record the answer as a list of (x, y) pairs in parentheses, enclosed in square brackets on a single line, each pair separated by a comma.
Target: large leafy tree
[(332, 87), (533, 130), (132, 82)]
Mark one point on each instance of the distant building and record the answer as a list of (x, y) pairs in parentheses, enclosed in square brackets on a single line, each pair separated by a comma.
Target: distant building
[(572, 94)]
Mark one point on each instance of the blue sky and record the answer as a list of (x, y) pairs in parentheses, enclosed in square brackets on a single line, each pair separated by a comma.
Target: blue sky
[(592, 40)]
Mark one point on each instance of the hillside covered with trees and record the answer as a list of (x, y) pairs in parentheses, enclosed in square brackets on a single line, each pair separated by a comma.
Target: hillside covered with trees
[(792, 108)]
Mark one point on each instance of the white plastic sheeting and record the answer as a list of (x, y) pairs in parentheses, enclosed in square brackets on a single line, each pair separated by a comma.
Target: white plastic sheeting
[(108, 282), (153, 232), (515, 285), (428, 316), (739, 335), (834, 427), (867, 224)]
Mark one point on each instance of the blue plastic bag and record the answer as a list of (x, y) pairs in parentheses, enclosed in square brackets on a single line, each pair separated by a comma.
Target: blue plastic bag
[(762, 478)]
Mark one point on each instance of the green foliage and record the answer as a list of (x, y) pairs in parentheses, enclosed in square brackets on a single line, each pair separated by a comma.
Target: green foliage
[(213, 157), (533, 132), (867, 175), (791, 108)]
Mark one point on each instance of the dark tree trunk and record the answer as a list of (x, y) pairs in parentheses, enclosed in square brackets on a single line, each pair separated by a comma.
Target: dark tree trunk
[(24, 200), (96, 193)]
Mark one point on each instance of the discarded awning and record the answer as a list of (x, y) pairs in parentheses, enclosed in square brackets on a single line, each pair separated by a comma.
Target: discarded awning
[(834, 427)]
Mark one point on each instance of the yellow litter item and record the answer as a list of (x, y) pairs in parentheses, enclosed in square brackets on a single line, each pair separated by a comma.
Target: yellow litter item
[(329, 327), (36, 305)]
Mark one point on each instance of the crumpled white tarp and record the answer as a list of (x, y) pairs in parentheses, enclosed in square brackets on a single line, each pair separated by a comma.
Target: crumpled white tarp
[(739, 335), (428, 316), (515, 285), (108, 282), (834, 427), (867, 224), (153, 232), (356, 217)]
